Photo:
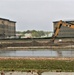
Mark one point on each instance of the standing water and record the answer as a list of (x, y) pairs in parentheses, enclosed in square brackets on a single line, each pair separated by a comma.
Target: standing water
[(38, 53)]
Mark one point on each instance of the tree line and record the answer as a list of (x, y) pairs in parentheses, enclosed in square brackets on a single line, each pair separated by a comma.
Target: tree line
[(34, 33)]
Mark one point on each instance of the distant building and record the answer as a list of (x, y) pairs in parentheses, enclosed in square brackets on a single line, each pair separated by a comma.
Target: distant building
[(7, 28), (48, 35), (18, 35), (65, 31), (28, 35)]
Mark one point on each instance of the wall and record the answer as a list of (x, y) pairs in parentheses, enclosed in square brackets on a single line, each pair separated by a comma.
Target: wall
[(64, 31), (7, 28)]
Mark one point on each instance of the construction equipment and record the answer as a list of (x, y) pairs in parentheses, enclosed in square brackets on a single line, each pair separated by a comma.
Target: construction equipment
[(61, 23)]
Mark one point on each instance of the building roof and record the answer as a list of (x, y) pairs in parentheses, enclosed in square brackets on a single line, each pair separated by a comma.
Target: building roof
[(64, 21), (69, 21), (7, 20)]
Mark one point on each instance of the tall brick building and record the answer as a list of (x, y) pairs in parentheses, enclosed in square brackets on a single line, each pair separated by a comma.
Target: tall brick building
[(65, 31), (7, 28)]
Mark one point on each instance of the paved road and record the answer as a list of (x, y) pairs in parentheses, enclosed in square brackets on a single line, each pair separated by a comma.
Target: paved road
[(58, 73), (34, 73), (19, 73)]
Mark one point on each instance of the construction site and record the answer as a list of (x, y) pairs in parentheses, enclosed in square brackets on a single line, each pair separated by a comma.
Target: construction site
[(63, 38), (58, 51)]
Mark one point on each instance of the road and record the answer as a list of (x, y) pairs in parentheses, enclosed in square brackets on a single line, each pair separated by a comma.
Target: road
[(45, 73)]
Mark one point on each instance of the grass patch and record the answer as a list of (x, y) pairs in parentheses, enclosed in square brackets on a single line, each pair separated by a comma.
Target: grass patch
[(24, 65)]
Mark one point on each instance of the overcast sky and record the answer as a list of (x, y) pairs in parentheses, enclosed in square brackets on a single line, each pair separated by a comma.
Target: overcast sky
[(36, 14)]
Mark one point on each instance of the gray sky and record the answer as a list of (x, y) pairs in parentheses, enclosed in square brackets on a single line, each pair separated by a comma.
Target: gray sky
[(36, 14)]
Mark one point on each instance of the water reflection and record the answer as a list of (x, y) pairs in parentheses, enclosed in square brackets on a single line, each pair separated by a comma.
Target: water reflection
[(46, 53)]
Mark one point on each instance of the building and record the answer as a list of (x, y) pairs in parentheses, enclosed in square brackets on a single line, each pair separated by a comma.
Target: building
[(65, 31), (28, 35), (7, 28)]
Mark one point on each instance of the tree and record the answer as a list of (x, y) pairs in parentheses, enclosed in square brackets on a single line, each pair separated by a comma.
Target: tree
[(35, 34)]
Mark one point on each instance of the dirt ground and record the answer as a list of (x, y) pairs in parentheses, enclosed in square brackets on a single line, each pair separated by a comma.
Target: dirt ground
[(36, 58)]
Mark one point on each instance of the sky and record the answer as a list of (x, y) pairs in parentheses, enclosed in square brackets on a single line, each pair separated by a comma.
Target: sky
[(36, 14)]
